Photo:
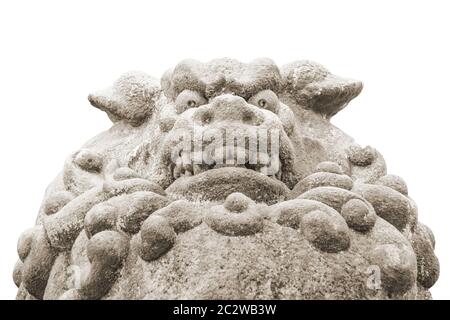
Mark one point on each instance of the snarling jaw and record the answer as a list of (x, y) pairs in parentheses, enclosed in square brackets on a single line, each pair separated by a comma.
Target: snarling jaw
[(223, 179), (225, 129), (226, 145)]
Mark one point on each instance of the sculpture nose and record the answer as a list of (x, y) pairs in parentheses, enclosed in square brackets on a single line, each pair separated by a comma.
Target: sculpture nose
[(231, 108)]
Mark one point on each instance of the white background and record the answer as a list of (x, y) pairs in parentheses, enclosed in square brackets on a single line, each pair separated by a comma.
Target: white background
[(53, 53)]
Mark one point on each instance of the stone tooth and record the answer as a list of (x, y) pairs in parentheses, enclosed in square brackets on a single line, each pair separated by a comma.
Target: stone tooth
[(177, 169), (230, 159), (242, 155), (187, 167), (218, 156), (278, 174), (212, 165), (186, 157), (177, 172), (198, 157), (207, 157), (275, 164), (263, 159), (197, 169), (264, 170), (170, 168)]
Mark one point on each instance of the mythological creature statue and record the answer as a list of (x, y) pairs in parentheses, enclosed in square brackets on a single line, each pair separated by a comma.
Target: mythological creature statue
[(226, 180)]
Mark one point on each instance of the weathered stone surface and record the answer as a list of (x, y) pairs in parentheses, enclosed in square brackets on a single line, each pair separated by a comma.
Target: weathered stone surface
[(38, 264), (314, 87), (398, 267), (427, 263), (361, 157), (182, 215), (239, 216), (106, 252), (321, 179), (102, 216), (358, 215), (394, 182), (328, 166), (157, 237), (140, 206), (57, 201), (17, 273), (328, 233), (225, 181), (132, 98), (388, 203)]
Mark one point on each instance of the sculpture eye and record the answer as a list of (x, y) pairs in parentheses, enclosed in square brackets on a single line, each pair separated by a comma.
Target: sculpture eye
[(188, 99), (265, 99)]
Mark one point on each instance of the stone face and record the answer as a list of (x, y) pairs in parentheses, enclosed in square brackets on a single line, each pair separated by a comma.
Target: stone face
[(226, 181)]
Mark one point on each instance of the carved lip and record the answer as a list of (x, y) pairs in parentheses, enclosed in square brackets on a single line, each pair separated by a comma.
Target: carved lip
[(182, 163), (217, 184)]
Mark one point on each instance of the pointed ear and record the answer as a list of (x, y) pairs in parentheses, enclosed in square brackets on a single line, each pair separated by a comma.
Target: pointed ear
[(314, 87), (131, 98)]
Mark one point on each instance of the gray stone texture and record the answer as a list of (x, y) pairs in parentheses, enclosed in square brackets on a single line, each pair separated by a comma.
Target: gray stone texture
[(124, 220)]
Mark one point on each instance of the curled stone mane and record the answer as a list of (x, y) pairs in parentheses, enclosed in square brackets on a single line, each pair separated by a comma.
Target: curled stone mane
[(226, 180)]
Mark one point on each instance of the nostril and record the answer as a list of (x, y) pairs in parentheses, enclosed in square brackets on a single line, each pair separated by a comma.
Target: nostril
[(248, 116), (252, 116), (207, 117), (166, 124)]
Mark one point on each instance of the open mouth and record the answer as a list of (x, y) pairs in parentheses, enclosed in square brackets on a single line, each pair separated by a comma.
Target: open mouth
[(217, 184), (188, 164), (213, 173)]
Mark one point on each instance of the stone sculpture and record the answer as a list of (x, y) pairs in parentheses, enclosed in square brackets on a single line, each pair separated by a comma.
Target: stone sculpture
[(226, 180)]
